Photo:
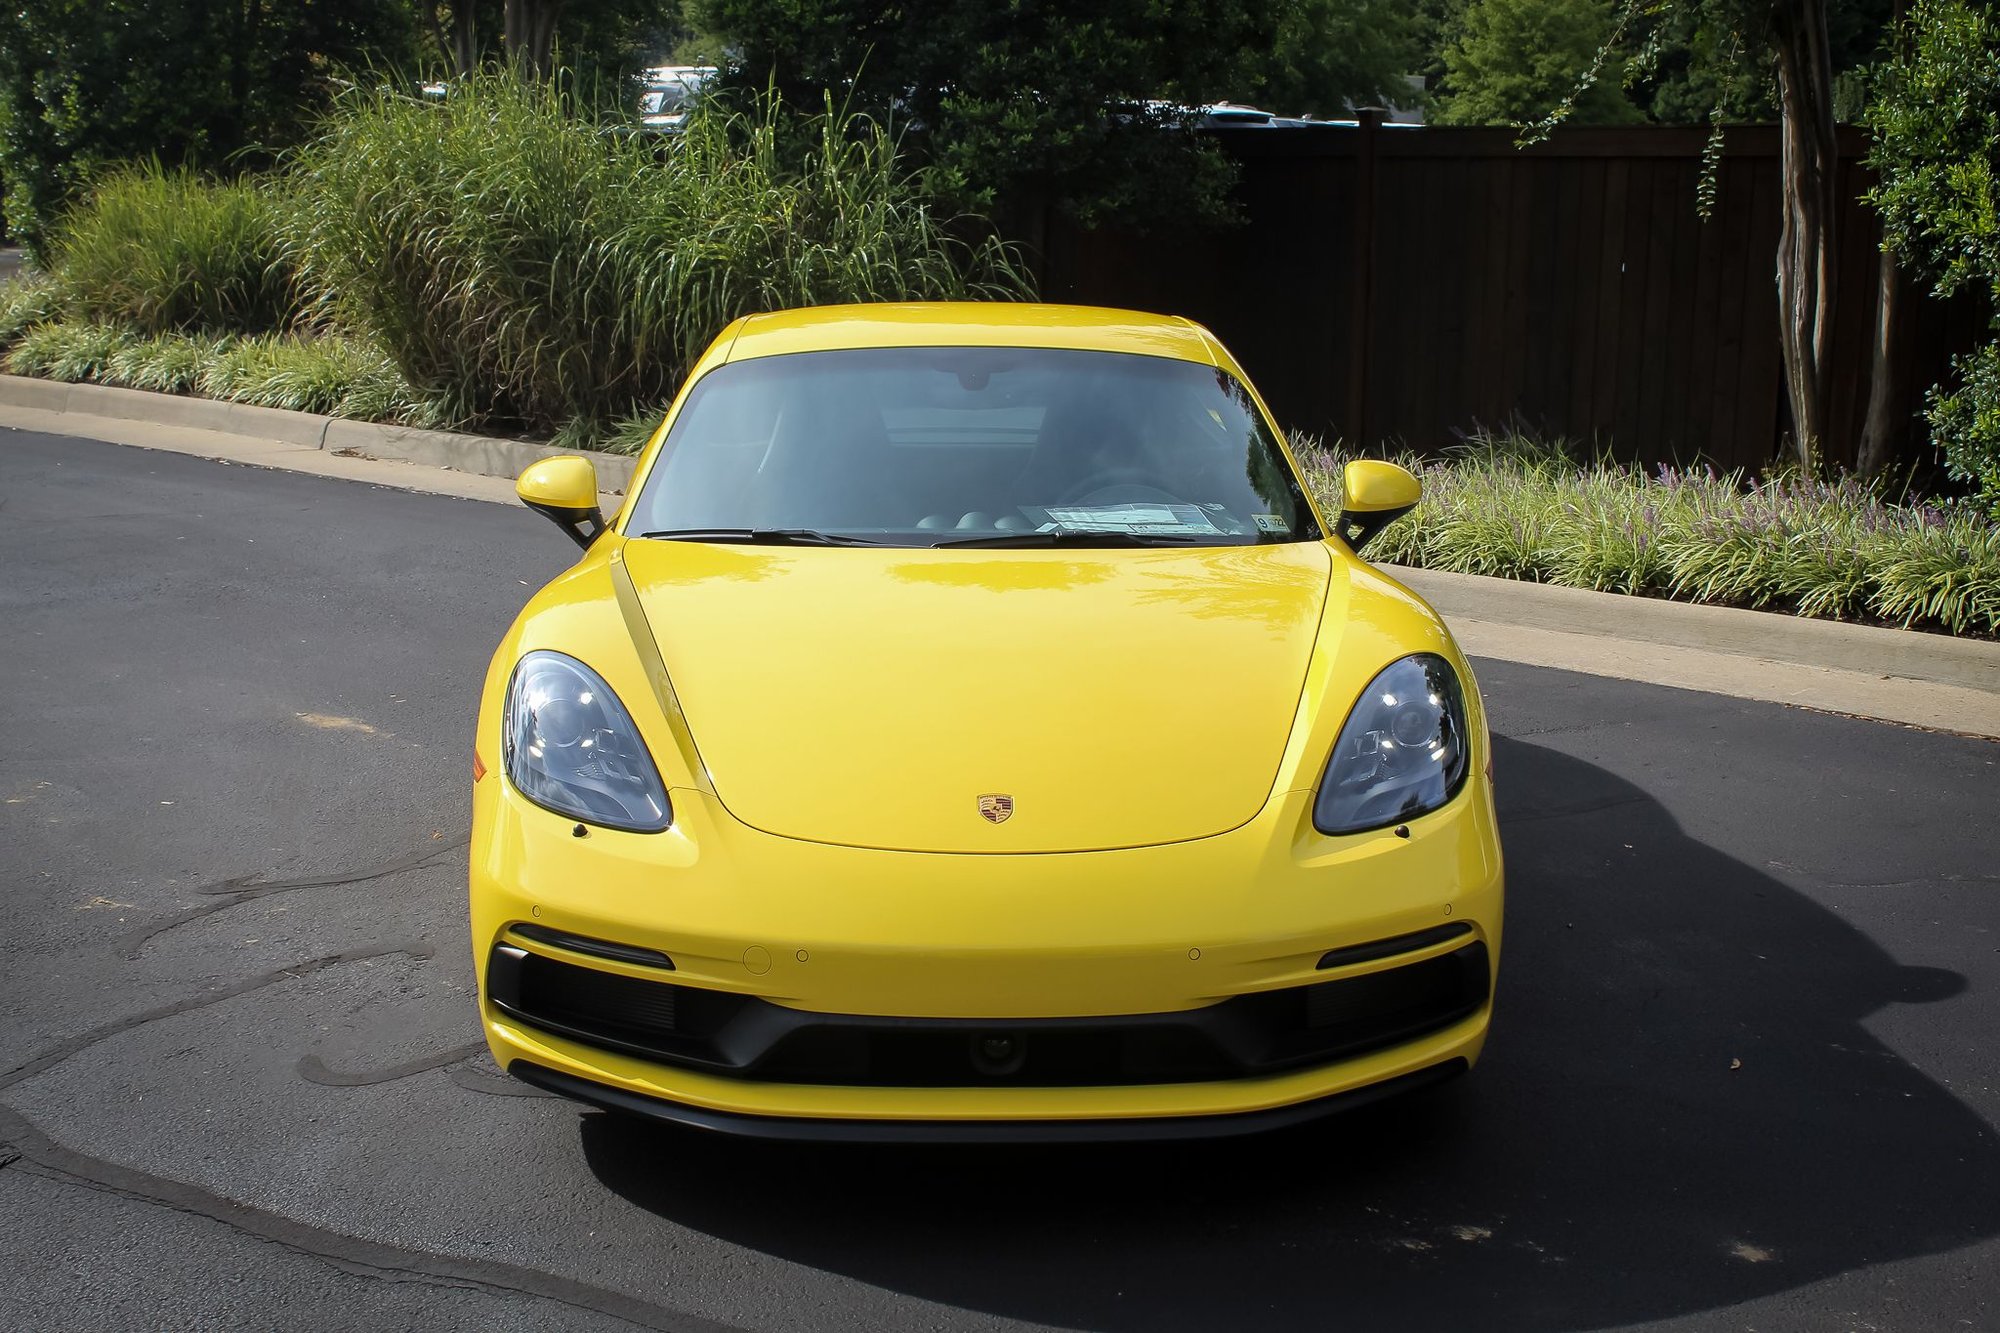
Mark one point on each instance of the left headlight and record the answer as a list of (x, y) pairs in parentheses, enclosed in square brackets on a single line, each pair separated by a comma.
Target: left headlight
[(571, 747), (1402, 753)]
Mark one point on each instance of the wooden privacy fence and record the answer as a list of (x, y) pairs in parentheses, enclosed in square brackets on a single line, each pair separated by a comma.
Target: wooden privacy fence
[(1406, 285)]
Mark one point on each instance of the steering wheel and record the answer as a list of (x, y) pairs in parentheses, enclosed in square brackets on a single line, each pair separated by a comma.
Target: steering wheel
[(1131, 486)]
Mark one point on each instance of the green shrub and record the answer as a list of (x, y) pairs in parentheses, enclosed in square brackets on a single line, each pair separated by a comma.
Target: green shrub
[(579, 433), (168, 252), (327, 375), (631, 434), (1966, 423), (72, 352), (527, 268), (627, 435), (164, 363), (1520, 509), (26, 302), (1944, 572)]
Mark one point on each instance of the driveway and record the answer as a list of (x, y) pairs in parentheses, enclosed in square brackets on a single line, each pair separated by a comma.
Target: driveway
[(1743, 1072)]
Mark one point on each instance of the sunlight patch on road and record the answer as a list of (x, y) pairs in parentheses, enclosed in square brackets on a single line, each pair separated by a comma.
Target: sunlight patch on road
[(331, 722)]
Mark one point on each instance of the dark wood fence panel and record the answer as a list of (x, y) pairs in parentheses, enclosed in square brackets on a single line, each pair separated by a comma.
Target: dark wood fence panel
[(1411, 285)]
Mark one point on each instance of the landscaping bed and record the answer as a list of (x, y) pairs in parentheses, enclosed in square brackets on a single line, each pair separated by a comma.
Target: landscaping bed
[(496, 262), (1516, 508)]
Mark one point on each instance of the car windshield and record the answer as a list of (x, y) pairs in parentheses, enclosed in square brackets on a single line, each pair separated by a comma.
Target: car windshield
[(663, 99), (978, 446)]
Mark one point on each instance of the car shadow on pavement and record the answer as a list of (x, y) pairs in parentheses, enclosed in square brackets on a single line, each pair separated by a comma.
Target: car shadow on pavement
[(1681, 1108)]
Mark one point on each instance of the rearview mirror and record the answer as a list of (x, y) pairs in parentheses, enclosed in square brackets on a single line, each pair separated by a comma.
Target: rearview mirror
[(564, 490), (1374, 494)]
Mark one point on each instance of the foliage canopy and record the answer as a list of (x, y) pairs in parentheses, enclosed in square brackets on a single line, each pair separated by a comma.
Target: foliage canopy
[(87, 83), (1937, 153), (1510, 61), (1087, 101)]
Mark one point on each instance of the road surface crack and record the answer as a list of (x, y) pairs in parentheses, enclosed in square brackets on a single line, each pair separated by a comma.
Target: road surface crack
[(313, 1070), (349, 1254), (55, 1055), (234, 892)]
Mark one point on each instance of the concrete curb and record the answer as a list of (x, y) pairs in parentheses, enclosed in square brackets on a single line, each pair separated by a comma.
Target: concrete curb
[(1892, 675), (478, 454), (1765, 635)]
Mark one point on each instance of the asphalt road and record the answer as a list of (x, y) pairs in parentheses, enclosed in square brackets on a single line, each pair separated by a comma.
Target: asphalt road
[(1744, 1071)]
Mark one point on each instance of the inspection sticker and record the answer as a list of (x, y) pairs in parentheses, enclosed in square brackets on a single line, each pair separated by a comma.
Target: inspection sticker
[(1270, 523)]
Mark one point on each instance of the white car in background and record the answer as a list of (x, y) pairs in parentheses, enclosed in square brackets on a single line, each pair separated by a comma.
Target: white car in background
[(667, 93)]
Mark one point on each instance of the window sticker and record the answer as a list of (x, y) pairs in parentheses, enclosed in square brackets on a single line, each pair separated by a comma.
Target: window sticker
[(1271, 523), (1144, 520)]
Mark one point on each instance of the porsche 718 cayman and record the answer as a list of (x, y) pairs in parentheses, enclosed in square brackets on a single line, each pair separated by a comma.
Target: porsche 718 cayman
[(968, 727)]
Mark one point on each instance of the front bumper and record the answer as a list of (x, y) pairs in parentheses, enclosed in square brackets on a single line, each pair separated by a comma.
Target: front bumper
[(899, 949), (1124, 1130)]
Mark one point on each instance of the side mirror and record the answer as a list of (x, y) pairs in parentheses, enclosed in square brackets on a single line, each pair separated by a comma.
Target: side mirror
[(564, 491), (1374, 494)]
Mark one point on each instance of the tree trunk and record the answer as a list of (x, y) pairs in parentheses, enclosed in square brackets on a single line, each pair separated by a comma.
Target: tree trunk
[(529, 32), (460, 48), (1807, 163), (464, 37), (253, 36), (1888, 398), (1888, 420)]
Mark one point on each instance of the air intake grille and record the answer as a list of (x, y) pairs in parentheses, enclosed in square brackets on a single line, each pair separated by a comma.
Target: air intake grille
[(746, 1037)]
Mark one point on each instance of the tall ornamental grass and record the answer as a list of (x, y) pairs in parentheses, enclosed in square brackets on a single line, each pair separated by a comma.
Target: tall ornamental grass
[(531, 269), (1833, 549), (166, 251)]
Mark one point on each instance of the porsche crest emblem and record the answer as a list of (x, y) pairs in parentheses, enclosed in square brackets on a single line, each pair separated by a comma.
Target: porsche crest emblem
[(994, 808)]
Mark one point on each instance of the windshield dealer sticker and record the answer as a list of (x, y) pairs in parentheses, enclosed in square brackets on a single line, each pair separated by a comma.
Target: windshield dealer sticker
[(1270, 523), (1157, 520)]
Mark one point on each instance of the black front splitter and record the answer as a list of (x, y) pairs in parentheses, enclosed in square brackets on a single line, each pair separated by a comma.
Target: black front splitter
[(1134, 1129)]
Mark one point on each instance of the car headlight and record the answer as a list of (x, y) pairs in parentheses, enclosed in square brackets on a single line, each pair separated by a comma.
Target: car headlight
[(1402, 753), (571, 747)]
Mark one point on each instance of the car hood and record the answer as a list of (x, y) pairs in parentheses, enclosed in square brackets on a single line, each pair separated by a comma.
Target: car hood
[(1118, 698)]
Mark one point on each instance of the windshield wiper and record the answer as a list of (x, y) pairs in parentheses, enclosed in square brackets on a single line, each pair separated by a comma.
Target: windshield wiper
[(759, 536), (1070, 537)]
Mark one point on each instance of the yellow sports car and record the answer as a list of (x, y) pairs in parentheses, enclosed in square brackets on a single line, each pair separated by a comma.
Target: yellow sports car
[(968, 728)]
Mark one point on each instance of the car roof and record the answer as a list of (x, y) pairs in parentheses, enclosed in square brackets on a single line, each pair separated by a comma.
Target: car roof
[(970, 324)]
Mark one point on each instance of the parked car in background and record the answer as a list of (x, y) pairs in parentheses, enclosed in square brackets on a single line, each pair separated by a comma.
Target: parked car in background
[(668, 93)]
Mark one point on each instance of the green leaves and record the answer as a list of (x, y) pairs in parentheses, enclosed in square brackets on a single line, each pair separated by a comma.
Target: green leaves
[(1937, 155), (1937, 149), (1965, 422), (1519, 62), (89, 85), (1021, 104)]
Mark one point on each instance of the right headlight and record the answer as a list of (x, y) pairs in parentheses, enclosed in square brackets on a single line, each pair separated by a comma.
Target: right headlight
[(1402, 753), (570, 746)]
